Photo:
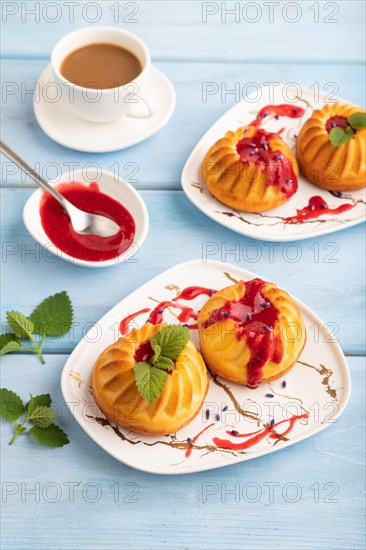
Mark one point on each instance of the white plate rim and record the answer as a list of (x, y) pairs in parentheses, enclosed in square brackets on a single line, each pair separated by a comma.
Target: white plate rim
[(87, 427)]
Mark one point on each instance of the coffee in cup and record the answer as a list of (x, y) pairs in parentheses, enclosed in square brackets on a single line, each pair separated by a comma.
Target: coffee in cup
[(103, 72)]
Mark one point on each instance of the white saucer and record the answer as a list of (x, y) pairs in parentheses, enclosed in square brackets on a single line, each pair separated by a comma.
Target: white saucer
[(73, 132)]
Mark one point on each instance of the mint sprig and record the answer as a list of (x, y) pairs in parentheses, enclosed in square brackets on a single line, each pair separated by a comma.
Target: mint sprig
[(52, 436), (150, 380), (9, 342), (164, 363), (38, 412), (171, 340), (151, 376), (339, 136), (53, 317), (43, 400), (11, 406), (357, 120)]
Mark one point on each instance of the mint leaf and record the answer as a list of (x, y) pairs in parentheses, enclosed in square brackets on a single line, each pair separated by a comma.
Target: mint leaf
[(20, 324), (357, 120), (38, 412), (11, 346), (150, 381), (172, 340), (43, 400), (164, 363), (9, 342), (7, 337), (40, 415), (157, 351), (338, 136), (11, 406), (52, 436), (53, 317)]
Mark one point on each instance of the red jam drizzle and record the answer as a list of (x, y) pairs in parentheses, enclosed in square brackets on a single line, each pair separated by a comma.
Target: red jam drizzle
[(157, 314), (337, 121), (191, 292), (57, 225), (124, 324), (256, 150), (258, 436), (255, 318), (316, 208), (290, 111), (189, 450)]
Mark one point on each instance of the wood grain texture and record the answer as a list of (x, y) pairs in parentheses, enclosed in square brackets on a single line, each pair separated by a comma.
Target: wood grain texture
[(176, 30), (179, 512), (157, 163), (172, 512), (179, 232)]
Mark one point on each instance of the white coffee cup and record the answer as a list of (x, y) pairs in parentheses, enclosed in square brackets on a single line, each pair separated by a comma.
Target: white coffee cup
[(103, 105)]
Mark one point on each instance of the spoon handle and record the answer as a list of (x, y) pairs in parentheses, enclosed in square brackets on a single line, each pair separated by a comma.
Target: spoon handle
[(32, 174)]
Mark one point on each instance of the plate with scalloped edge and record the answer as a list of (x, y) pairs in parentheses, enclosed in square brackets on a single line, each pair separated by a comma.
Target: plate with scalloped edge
[(317, 388), (272, 225)]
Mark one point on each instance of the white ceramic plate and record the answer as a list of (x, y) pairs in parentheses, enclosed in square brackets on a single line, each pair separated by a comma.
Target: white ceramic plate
[(319, 384), (269, 226), (109, 184), (71, 131)]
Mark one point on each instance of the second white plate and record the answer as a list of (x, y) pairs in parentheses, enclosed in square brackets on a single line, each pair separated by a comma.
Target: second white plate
[(269, 226), (318, 385)]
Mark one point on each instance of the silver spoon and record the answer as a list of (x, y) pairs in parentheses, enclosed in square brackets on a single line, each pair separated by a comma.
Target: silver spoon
[(81, 221)]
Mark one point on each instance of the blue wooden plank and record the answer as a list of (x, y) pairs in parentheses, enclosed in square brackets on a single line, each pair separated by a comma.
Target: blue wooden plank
[(223, 509), (256, 31), (177, 512), (328, 274), (157, 163)]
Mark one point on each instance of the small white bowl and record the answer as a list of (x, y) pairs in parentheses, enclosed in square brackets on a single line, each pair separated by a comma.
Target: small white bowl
[(111, 185)]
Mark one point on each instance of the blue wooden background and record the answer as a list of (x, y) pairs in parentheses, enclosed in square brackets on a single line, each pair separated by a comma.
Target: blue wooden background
[(76, 503)]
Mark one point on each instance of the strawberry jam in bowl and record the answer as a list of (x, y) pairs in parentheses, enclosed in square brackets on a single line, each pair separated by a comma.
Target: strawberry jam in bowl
[(58, 227), (102, 193)]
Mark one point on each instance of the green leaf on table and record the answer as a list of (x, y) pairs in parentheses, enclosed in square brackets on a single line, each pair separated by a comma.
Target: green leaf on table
[(172, 340), (357, 120), (11, 406), (9, 347), (9, 342), (41, 416), (20, 324), (43, 400), (6, 338), (20, 428), (164, 363), (150, 381), (52, 436), (338, 136), (53, 317)]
